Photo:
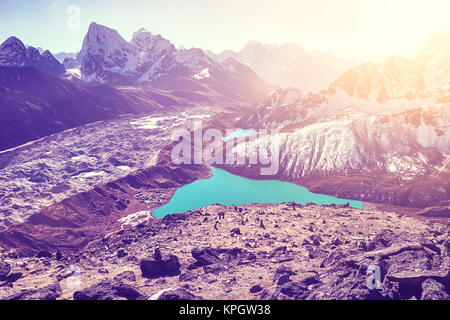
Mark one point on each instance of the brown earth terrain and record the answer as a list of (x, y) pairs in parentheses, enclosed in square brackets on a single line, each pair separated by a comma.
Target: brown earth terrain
[(258, 251)]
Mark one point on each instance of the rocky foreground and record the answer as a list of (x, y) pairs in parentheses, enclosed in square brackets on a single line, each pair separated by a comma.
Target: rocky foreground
[(258, 251)]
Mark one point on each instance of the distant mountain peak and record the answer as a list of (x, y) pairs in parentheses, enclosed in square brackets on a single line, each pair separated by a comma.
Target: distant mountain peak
[(424, 75), (13, 43), (289, 65), (13, 53)]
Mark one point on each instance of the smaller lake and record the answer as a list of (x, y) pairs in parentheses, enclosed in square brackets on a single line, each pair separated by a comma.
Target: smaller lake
[(240, 133), (229, 189)]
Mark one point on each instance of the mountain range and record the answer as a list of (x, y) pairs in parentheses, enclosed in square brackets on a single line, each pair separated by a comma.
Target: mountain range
[(111, 77), (289, 65), (13, 53), (107, 57), (387, 119), (380, 132), (423, 75)]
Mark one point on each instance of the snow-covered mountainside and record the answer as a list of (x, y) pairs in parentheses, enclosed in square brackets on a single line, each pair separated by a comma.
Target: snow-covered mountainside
[(289, 65), (13, 53), (400, 158), (423, 75), (353, 141), (107, 57), (408, 143), (394, 85)]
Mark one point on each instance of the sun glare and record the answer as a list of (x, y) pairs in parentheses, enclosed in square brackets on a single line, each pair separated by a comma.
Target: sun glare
[(374, 18)]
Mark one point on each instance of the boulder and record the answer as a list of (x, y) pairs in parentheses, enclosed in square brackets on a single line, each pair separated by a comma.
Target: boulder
[(177, 294), (255, 289), (214, 268), (109, 290), (50, 292), (166, 265), (44, 254), (5, 268), (209, 256), (294, 290), (125, 276), (121, 253)]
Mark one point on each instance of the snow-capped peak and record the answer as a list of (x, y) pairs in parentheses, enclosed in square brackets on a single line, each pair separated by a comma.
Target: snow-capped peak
[(13, 53), (150, 46), (103, 40), (13, 44)]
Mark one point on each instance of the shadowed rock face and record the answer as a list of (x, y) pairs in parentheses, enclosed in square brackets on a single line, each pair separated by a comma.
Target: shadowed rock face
[(303, 252)]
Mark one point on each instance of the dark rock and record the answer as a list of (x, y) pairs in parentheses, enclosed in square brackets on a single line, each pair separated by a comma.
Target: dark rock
[(59, 255), (434, 290), (12, 255), (415, 278), (272, 293), (214, 268), (103, 271), (121, 253), (336, 242), (332, 258), (125, 276), (44, 254), (314, 254), (13, 277), (294, 290), (188, 276), (129, 292), (50, 292), (166, 266), (178, 294), (283, 274), (382, 240), (209, 256), (283, 279), (5, 268), (316, 240), (309, 278), (236, 231), (255, 289), (107, 290)]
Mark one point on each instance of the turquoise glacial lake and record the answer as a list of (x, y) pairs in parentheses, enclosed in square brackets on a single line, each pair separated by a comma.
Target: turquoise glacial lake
[(229, 189), (240, 133)]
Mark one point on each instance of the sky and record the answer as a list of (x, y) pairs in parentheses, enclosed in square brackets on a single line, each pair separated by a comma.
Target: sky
[(354, 29)]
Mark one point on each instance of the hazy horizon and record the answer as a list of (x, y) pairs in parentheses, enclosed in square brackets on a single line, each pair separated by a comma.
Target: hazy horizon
[(352, 29)]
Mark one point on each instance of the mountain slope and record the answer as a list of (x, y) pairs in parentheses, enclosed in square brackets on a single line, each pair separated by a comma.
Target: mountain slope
[(34, 104)]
